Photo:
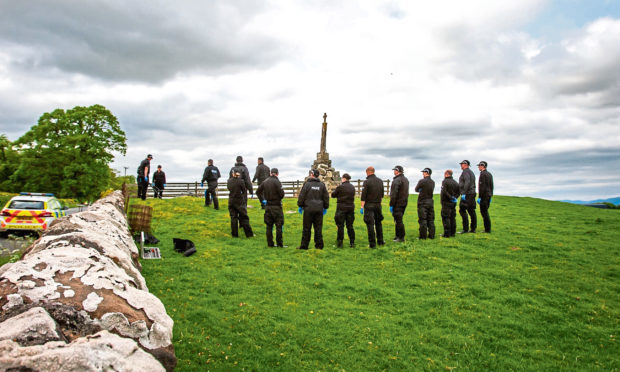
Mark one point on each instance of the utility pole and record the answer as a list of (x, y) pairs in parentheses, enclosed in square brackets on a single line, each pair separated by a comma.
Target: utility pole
[(126, 171)]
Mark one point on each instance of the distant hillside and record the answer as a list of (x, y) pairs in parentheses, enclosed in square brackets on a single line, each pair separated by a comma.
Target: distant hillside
[(614, 201)]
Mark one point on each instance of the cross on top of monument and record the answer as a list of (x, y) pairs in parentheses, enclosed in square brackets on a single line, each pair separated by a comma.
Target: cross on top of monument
[(324, 134)]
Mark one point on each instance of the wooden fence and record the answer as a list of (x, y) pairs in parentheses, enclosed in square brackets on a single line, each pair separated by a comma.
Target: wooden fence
[(291, 189)]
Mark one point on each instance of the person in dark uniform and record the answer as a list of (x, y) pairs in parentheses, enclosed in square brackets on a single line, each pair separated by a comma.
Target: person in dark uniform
[(485, 193), (467, 188), (426, 207), (159, 182), (260, 175), (270, 192), (244, 175), (211, 175), (237, 205), (399, 197), (372, 193), (345, 210), (313, 202), (449, 194), (143, 176)]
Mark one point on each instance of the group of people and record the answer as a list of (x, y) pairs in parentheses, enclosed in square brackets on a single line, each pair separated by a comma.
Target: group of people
[(313, 201), (159, 179)]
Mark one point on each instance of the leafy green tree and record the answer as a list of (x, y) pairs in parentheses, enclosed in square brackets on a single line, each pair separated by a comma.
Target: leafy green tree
[(9, 161), (68, 152)]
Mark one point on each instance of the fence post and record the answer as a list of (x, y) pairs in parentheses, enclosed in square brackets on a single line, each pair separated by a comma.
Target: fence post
[(387, 192), (358, 190)]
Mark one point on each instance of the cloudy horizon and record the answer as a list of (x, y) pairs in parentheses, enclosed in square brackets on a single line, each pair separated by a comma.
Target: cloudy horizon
[(531, 87)]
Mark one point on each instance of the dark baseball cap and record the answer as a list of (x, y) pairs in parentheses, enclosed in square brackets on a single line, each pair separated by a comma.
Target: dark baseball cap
[(274, 171), (483, 163), (149, 156), (398, 168), (428, 170), (159, 166), (465, 162), (346, 176), (314, 172)]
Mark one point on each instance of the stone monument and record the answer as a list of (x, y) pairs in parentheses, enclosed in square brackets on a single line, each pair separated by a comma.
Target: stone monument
[(328, 174)]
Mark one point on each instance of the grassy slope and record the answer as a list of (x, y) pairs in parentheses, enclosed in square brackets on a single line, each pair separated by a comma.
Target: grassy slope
[(541, 292)]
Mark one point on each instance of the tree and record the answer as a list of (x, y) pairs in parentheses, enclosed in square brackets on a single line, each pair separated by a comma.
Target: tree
[(9, 161), (68, 152)]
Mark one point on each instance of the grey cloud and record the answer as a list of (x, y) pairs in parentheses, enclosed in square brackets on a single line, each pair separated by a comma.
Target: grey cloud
[(150, 42)]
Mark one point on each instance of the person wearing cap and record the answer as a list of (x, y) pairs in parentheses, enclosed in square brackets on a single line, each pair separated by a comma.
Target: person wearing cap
[(448, 197), (143, 176), (426, 206), (211, 174), (244, 175), (159, 182), (237, 204), (270, 192), (345, 210), (467, 188), (313, 202), (372, 193), (399, 197), (485, 193)]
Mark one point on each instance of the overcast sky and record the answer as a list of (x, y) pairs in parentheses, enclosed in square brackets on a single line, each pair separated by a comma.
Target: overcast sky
[(530, 86)]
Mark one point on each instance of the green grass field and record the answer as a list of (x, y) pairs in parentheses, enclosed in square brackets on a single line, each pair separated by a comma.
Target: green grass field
[(540, 293)]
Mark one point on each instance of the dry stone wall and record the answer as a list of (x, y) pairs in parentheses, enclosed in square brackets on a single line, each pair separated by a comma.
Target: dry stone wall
[(77, 301)]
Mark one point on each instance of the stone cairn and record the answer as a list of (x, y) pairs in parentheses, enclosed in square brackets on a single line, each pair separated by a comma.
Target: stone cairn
[(77, 301), (328, 175)]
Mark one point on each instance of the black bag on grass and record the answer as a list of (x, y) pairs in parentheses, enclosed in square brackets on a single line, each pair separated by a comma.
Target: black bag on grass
[(184, 246)]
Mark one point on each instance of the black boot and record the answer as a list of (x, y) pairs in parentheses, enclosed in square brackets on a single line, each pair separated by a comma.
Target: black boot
[(339, 244)]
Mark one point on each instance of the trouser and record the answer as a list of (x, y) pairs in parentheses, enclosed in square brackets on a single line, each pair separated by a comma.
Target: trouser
[(341, 218), (143, 185), (158, 191), (312, 220), (274, 216), (468, 207), (399, 226), (426, 218), (448, 218), (211, 193), (485, 204), (373, 217), (239, 217)]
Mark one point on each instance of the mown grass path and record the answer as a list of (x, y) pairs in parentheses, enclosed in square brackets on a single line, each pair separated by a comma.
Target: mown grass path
[(542, 292)]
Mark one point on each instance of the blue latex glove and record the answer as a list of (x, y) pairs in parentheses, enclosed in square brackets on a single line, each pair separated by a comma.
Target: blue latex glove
[(361, 210), (164, 185), (264, 202), (490, 200), (146, 179), (202, 184), (324, 212), (463, 197), (300, 210), (392, 210), (153, 184), (453, 200), (478, 200)]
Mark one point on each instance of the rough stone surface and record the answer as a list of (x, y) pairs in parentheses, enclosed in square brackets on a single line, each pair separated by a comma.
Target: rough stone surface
[(84, 273), (102, 351), (34, 327)]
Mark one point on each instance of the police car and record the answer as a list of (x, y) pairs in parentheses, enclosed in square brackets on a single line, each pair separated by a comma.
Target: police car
[(30, 211)]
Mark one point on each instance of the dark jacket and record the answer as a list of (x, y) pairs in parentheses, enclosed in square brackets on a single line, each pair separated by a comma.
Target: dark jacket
[(313, 196), (159, 177), (271, 190), (237, 196), (467, 182), (399, 192), (211, 174), (425, 187), (261, 174), (449, 190), (372, 190), (146, 163), (345, 194), (245, 176), (485, 184)]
